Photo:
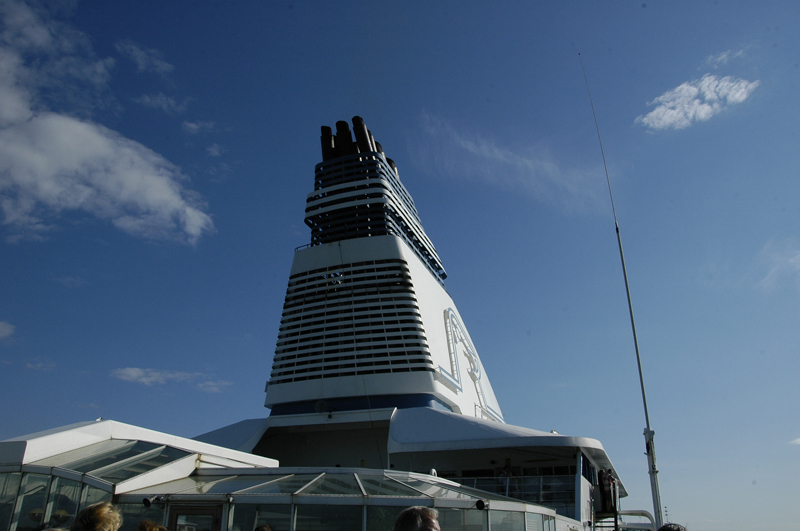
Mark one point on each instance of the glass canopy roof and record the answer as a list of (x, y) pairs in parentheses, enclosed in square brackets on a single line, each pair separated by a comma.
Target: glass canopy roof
[(319, 482), (115, 460)]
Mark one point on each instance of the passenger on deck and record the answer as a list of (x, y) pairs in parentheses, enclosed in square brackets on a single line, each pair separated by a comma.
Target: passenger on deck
[(418, 519), (98, 517)]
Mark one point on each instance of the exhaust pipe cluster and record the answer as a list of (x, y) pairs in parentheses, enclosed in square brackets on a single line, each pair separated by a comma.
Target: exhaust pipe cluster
[(341, 143)]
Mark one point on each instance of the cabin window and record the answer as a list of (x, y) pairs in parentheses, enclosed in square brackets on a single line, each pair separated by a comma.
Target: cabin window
[(93, 495), (31, 502), (9, 486), (65, 496), (249, 517), (133, 513), (507, 521), (534, 522), (328, 517)]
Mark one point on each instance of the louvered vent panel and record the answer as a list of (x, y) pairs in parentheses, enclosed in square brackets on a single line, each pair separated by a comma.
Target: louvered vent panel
[(355, 319)]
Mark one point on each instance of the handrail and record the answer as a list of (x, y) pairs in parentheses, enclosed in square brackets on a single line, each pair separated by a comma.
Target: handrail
[(637, 512)]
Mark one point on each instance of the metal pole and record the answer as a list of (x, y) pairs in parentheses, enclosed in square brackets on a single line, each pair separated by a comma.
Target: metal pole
[(648, 433)]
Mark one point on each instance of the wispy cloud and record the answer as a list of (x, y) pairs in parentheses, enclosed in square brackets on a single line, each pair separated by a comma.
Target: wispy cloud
[(6, 329), (152, 377), (796, 441), (214, 150), (52, 161), (214, 386), (722, 58), (42, 365), (696, 101), (198, 127), (146, 59), (530, 169), (72, 282), (778, 263), (162, 102)]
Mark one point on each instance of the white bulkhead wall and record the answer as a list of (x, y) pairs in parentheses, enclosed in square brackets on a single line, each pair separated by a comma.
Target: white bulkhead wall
[(460, 379)]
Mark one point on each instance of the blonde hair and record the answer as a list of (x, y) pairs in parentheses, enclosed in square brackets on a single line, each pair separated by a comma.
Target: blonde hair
[(98, 517)]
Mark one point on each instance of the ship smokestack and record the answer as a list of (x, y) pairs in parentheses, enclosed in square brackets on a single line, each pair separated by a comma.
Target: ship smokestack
[(393, 166), (344, 140), (328, 143), (362, 135), (371, 140)]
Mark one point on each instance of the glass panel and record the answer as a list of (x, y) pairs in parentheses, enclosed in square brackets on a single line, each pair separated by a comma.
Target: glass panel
[(195, 517), (328, 517), (62, 507), (93, 495), (381, 486), (382, 518), (507, 520), (190, 485), (533, 522), (31, 502), (438, 491), (9, 486), (249, 517), (139, 466), (238, 483), (194, 522), (463, 520), (81, 455), (133, 513), (97, 462), (285, 485), (335, 484)]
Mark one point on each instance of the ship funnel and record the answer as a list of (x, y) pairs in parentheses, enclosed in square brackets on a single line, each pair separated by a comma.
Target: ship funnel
[(344, 140), (362, 135), (393, 166), (328, 143)]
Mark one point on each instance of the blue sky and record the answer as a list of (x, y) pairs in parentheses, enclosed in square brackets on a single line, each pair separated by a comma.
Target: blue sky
[(154, 163)]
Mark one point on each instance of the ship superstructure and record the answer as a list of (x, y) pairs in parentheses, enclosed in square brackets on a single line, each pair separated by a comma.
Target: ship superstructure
[(367, 322), (378, 400)]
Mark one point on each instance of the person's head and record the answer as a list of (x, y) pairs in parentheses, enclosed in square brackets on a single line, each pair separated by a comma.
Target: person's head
[(265, 527), (98, 517), (671, 527), (417, 519), (147, 525)]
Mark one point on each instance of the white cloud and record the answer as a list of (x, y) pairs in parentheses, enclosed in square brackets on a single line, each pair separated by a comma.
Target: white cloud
[(530, 170), (163, 102), (150, 377), (42, 365), (197, 127), (696, 101), (722, 58), (72, 282), (52, 162), (796, 441), (213, 386), (146, 59), (214, 150), (778, 262), (6, 329)]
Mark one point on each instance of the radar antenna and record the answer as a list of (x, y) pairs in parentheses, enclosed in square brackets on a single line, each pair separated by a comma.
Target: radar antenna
[(648, 433)]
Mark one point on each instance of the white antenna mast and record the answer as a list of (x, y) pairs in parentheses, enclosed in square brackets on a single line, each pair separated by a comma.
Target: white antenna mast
[(648, 433)]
